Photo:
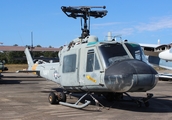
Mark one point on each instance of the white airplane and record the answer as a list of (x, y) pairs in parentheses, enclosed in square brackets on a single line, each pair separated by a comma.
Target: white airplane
[(159, 55)]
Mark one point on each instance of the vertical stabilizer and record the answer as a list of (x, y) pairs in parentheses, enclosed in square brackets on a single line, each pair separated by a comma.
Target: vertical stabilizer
[(29, 58)]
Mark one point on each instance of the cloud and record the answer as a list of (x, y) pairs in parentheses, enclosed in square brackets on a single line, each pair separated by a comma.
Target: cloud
[(104, 24), (162, 23), (125, 31), (153, 25), (156, 24)]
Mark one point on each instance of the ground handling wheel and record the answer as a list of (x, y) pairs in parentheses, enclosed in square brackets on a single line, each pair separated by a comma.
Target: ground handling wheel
[(52, 98), (61, 96)]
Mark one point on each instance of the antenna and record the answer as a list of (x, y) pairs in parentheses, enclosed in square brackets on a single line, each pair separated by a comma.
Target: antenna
[(158, 41), (84, 12)]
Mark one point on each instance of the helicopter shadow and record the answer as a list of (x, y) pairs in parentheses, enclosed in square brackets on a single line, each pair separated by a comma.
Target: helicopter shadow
[(161, 104), (20, 80)]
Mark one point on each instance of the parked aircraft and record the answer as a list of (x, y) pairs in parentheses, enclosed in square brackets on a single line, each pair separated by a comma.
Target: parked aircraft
[(159, 55), (2, 67), (86, 65), (166, 54)]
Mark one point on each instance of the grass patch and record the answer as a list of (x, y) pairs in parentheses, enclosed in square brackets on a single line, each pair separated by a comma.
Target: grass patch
[(15, 67)]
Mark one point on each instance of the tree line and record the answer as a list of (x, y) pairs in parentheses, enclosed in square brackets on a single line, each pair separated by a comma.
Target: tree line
[(19, 57)]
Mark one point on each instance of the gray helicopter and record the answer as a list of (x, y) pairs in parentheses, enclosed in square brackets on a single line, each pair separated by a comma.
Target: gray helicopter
[(88, 66)]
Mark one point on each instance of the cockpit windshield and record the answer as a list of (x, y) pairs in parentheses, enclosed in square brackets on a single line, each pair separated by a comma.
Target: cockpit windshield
[(116, 52)]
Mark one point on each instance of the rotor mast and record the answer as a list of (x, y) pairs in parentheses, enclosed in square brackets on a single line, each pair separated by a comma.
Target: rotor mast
[(84, 12)]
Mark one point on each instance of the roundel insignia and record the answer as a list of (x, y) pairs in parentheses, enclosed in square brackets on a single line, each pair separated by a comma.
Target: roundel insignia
[(56, 74)]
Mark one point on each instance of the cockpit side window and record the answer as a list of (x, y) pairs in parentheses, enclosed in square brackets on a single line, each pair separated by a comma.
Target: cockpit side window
[(92, 61), (135, 50)]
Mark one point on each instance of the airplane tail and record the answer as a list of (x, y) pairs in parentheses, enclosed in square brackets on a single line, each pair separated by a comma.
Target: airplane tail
[(29, 58)]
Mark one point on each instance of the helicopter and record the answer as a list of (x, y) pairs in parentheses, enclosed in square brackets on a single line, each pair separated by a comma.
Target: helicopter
[(88, 66)]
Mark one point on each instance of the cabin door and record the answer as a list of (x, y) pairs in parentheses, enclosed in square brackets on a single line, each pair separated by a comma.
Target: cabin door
[(69, 68)]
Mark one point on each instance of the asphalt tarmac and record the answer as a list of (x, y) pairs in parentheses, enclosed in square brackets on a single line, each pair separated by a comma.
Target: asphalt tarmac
[(24, 96)]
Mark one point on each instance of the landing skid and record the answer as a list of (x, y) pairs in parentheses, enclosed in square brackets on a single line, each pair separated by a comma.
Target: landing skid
[(98, 104), (76, 104), (141, 101), (60, 97)]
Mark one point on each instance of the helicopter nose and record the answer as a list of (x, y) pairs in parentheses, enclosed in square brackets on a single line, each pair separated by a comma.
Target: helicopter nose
[(130, 76)]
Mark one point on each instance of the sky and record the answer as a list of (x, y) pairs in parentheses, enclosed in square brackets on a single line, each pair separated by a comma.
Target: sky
[(140, 21)]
